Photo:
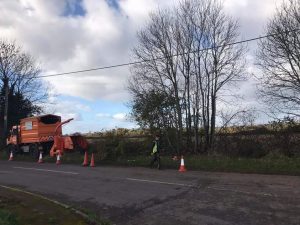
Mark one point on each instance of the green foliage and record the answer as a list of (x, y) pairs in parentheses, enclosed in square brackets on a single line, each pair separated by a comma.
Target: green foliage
[(287, 124), (251, 149), (286, 140), (264, 165), (19, 208), (93, 217), (115, 148), (249, 146), (150, 109), (52, 220), (18, 71), (19, 107), (120, 132), (280, 137), (7, 218)]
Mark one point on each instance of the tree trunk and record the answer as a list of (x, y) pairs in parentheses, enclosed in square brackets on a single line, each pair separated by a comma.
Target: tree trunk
[(213, 122)]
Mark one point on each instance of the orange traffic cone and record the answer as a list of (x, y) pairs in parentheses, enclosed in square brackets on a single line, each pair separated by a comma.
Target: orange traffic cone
[(58, 158), (41, 158), (92, 164), (85, 161), (182, 168), (11, 156)]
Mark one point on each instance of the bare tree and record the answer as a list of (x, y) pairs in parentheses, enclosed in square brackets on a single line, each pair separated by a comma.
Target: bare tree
[(18, 76), (222, 64), (216, 68), (171, 46), (241, 118), (157, 42), (279, 59)]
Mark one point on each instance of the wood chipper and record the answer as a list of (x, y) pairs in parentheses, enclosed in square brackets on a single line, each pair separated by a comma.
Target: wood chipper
[(43, 134)]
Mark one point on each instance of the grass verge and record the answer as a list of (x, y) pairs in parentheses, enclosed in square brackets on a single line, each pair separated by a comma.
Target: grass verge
[(18, 208), (270, 164), (266, 165), (7, 218)]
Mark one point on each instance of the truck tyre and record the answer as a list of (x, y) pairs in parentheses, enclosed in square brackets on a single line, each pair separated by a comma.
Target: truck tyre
[(34, 151), (11, 148), (47, 147), (79, 149)]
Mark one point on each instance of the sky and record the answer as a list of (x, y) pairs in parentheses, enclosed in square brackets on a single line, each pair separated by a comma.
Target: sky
[(69, 35)]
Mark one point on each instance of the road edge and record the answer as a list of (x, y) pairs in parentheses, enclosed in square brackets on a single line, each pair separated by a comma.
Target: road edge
[(74, 210)]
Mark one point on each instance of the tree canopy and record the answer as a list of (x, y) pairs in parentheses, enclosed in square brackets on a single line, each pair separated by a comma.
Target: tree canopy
[(176, 66), (19, 75), (279, 60)]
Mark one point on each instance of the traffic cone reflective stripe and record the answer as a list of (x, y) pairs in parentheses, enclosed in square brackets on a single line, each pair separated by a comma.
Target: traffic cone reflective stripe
[(92, 161), (182, 167), (58, 159), (11, 156), (40, 158), (85, 160)]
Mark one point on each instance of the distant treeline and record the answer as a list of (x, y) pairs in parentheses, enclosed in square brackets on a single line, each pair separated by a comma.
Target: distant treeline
[(277, 137)]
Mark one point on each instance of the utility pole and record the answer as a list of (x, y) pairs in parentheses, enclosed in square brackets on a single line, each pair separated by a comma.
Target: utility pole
[(5, 107), (6, 88)]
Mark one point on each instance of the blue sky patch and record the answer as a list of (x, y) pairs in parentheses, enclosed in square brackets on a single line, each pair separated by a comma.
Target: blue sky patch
[(113, 3), (93, 115), (74, 8)]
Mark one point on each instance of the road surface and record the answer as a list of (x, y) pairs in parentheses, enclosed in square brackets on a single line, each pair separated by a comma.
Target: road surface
[(147, 196)]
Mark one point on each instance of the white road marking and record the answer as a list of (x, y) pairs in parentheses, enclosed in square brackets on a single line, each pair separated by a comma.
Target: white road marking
[(160, 182), (53, 171), (4, 171)]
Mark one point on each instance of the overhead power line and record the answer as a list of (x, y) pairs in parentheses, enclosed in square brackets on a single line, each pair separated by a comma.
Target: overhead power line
[(164, 57)]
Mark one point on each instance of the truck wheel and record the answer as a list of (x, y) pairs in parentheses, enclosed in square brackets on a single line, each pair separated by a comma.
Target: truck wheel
[(79, 149), (46, 148), (11, 148), (34, 151)]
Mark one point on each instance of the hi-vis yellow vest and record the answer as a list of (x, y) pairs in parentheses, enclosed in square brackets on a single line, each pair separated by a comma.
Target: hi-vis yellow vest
[(154, 150)]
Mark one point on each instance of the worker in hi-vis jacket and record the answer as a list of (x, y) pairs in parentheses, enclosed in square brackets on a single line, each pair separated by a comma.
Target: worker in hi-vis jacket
[(155, 152)]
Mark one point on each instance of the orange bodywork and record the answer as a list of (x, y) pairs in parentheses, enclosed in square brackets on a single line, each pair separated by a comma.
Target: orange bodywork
[(47, 128), (67, 143), (36, 129)]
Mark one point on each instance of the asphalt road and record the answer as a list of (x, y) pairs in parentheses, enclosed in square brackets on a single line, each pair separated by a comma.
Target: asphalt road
[(148, 196)]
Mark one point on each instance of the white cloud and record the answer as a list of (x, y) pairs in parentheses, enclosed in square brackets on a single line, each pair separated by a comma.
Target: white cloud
[(120, 116), (117, 116), (252, 14), (66, 109), (102, 37), (75, 116), (103, 115)]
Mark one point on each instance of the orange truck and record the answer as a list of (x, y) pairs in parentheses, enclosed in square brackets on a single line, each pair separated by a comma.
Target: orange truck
[(43, 134)]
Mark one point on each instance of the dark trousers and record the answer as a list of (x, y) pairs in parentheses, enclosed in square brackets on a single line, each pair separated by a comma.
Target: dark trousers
[(155, 158)]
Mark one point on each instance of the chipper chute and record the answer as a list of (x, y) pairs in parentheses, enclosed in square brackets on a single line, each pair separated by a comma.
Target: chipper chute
[(68, 142)]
